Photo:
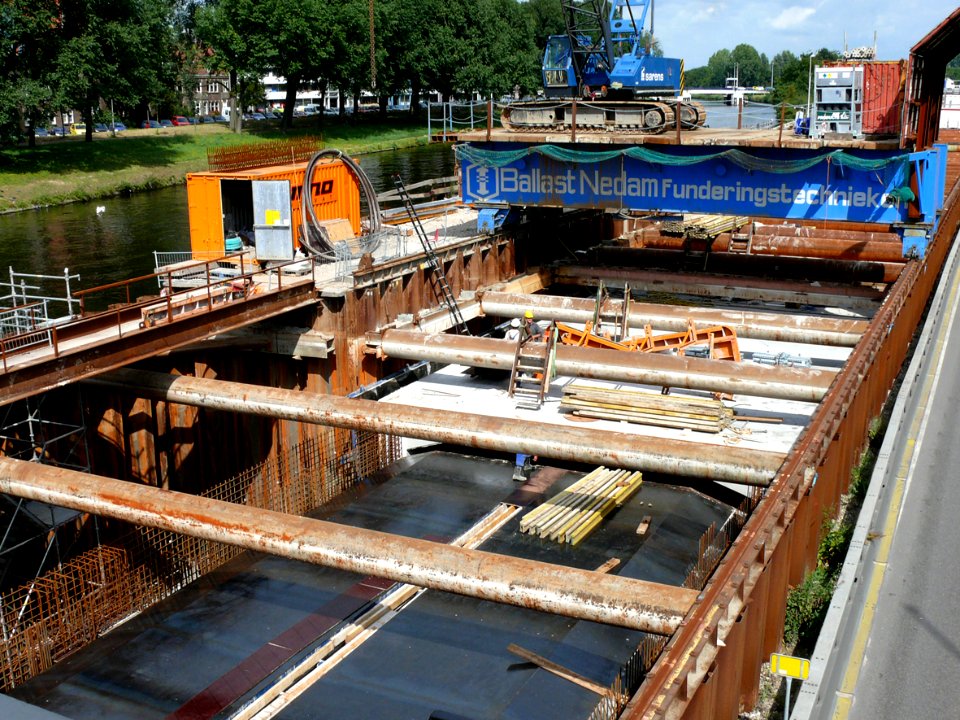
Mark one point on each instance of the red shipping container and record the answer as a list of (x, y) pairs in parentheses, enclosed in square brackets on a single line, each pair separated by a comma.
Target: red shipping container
[(883, 92)]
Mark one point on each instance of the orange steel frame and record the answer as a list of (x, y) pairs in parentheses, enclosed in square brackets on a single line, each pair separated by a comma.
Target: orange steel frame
[(711, 666)]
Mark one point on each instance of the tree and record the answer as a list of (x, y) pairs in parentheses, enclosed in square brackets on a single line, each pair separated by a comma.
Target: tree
[(751, 68), (545, 18), (501, 52), (228, 28), (29, 50), (293, 35), (101, 54)]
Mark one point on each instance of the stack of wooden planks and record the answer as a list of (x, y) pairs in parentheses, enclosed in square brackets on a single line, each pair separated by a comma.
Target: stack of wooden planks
[(573, 514), (639, 406), (703, 227)]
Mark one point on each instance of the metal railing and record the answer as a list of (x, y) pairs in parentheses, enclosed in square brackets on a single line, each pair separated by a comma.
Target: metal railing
[(212, 291)]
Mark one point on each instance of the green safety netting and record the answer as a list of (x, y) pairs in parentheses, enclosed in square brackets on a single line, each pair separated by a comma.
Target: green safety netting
[(502, 158)]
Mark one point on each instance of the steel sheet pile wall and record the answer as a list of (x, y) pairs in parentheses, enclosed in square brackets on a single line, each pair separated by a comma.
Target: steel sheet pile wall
[(47, 620), (711, 667)]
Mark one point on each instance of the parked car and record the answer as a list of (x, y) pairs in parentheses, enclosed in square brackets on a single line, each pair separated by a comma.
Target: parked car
[(100, 127), (207, 119), (178, 120), (58, 131), (78, 129), (257, 116), (166, 123), (193, 120), (150, 124), (41, 132), (118, 126), (220, 118)]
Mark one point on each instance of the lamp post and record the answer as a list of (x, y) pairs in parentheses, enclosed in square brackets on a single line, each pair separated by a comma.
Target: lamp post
[(809, 81)]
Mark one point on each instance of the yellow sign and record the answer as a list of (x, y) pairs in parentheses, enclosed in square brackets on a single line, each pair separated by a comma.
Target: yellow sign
[(273, 217), (789, 666)]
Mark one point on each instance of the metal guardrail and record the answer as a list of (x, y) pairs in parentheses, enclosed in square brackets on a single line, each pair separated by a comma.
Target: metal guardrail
[(213, 292)]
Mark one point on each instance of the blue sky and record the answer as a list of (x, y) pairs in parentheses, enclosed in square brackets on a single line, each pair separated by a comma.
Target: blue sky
[(695, 29)]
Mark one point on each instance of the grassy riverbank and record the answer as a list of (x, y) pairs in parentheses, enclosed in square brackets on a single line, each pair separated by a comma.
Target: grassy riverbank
[(62, 170)]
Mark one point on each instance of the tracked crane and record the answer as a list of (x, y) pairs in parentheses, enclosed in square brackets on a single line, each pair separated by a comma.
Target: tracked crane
[(602, 62)]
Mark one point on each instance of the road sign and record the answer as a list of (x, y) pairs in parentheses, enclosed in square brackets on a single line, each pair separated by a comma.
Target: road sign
[(789, 666)]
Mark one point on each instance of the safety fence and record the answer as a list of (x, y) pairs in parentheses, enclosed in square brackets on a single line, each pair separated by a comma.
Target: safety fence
[(60, 612)]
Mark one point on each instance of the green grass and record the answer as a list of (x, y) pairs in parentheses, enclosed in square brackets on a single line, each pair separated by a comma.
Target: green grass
[(62, 170)]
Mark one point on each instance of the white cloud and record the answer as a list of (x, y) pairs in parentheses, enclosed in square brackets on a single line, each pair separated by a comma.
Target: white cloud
[(791, 17)]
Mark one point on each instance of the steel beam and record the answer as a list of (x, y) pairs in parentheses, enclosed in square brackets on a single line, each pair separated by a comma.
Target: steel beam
[(798, 246), (560, 442), (115, 350), (859, 299), (844, 332), (582, 594), (736, 265), (803, 384)]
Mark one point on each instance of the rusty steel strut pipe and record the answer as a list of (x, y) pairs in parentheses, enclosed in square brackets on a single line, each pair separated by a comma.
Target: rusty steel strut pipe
[(560, 442), (581, 594), (844, 332), (784, 383)]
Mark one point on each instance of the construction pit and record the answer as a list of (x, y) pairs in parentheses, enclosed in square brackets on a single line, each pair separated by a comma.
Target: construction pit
[(317, 489), (251, 635)]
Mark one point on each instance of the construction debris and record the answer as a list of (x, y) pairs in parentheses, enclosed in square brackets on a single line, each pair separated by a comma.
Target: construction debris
[(644, 525), (640, 406), (574, 513)]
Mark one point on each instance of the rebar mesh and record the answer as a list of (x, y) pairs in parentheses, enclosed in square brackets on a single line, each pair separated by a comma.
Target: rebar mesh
[(263, 154), (62, 611)]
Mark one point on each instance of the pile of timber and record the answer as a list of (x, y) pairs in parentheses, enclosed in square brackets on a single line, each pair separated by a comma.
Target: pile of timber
[(571, 515), (703, 227), (640, 406)]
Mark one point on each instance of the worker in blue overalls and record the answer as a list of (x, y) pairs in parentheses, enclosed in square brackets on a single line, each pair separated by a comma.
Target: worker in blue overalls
[(523, 468)]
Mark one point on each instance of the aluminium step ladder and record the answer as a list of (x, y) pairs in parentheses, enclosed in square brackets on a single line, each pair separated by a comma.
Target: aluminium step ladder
[(438, 278)]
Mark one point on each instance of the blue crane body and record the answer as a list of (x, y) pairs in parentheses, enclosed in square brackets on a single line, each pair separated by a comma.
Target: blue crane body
[(602, 61)]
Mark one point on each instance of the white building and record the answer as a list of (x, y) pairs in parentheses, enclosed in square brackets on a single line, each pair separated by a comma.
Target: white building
[(312, 93)]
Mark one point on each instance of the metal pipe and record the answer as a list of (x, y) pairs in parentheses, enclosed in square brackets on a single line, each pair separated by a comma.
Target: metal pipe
[(844, 332), (581, 594), (788, 246), (786, 230), (784, 383), (857, 298), (560, 442), (778, 266)]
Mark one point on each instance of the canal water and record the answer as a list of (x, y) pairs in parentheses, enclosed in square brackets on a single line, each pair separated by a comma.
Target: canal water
[(118, 243)]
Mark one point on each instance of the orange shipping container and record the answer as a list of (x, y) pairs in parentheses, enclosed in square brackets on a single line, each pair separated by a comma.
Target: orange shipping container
[(221, 203), (883, 90)]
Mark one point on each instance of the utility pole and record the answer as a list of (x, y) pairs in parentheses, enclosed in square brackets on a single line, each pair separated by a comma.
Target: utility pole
[(373, 53)]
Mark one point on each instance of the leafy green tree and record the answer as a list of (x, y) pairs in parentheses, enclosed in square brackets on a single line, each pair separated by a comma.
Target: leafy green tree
[(292, 34), (349, 44), (230, 29), (102, 53), (545, 18), (953, 69), (793, 82), (29, 46), (502, 55), (751, 68)]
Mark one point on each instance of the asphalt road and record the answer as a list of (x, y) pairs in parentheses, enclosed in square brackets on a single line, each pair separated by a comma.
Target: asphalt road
[(911, 667)]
